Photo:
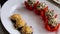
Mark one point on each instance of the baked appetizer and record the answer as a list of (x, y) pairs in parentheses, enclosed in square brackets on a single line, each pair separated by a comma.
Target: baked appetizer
[(27, 30), (18, 21), (30, 4), (40, 8), (48, 14), (15, 17), (51, 23), (20, 24)]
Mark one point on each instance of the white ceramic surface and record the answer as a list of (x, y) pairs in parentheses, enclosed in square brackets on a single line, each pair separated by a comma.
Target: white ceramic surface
[(17, 6)]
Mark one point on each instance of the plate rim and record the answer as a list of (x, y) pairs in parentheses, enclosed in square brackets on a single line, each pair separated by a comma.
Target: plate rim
[(11, 6), (1, 16), (3, 8)]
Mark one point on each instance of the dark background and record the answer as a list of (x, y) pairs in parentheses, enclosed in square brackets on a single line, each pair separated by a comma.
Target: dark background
[(2, 2)]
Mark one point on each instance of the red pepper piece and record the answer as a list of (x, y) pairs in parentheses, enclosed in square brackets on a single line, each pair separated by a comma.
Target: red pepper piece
[(45, 9), (28, 6), (55, 16), (51, 29), (46, 20), (35, 5), (42, 14), (37, 11)]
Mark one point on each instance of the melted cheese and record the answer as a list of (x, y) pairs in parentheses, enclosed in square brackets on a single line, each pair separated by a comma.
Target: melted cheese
[(53, 22), (49, 13), (15, 17), (20, 23), (31, 2), (42, 6), (27, 29)]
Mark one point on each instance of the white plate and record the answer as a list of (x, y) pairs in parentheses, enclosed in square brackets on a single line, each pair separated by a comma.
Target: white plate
[(17, 6)]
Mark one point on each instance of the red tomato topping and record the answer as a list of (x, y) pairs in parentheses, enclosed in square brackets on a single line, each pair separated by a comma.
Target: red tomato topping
[(28, 6), (55, 16), (42, 14), (48, 27)]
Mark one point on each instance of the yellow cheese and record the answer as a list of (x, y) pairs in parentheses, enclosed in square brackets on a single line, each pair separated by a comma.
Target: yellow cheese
[(20, 23), (15, 17), (27, 29)]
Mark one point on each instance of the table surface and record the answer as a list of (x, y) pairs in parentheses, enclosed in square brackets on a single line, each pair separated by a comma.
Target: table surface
[(3, 30)]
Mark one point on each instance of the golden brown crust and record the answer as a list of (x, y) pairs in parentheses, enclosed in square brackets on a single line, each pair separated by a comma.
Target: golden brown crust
[(15, 17), (27, 29), (21, 24)]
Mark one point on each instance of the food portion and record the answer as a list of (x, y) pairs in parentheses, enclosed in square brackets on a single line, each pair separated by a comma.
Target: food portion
[(41, 5), (40, 8), (49, 13), (48, 16), (15, 17), (30, 4), (20, 24), (27, 30), (51, 21)]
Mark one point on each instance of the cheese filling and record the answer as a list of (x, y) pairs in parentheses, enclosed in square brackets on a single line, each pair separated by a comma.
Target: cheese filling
[(20, 23), (31, 2), (49, 13), (53, 22), (27, 30), (41, 6)]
